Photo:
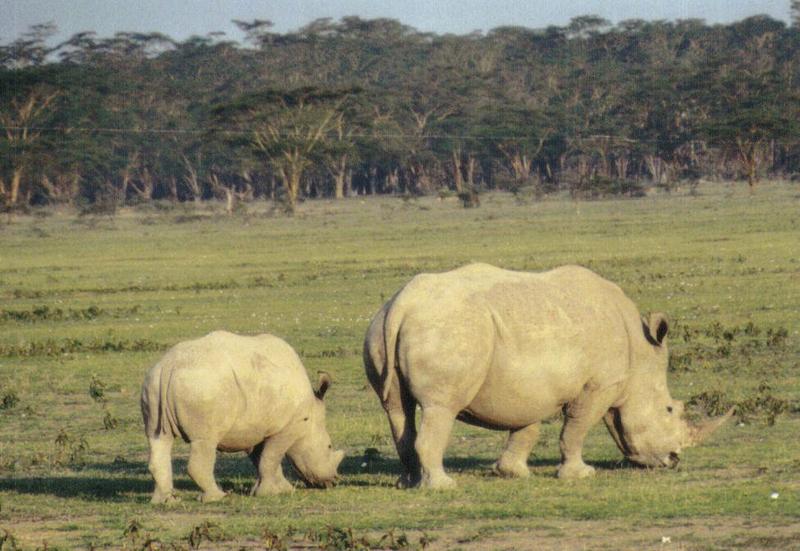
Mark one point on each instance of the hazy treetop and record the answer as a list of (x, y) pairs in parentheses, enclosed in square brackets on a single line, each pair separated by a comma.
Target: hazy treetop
[(180, 19)]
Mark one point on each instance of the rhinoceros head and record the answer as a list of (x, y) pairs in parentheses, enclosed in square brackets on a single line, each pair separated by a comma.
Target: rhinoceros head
[(313, 455), (649, 426)]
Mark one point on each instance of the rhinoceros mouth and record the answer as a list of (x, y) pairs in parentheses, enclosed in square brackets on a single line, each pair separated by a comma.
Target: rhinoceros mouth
[(670, 461)]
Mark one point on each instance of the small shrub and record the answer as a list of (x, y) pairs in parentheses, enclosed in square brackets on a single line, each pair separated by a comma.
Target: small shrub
[(335, 539), (680, 363), (132, 531), (205, 531), (777, 338), (712, 402), (7, 541), (763, 403), (9, 400), (469, 199), (109, 421), (751, 330), (97, 390), (69, 451), (273, 541)]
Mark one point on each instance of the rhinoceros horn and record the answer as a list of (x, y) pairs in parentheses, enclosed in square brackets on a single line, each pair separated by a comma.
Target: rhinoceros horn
[(698, 433)]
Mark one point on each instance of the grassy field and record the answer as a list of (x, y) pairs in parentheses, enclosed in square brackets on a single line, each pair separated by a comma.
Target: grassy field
[(88, 304)]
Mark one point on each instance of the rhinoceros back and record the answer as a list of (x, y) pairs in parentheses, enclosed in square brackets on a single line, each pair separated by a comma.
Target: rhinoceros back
[(238, 387), (478, 329)]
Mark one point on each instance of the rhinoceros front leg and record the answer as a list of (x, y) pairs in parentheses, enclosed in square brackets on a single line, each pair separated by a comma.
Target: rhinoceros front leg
[(513, 462), (267, 458), (401, 411), (434, 433), (579, 416), (202, 457), (160, 466)]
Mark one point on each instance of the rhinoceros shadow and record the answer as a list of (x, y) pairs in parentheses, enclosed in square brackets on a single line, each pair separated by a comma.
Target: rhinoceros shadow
[(122, 480), (477, 466)]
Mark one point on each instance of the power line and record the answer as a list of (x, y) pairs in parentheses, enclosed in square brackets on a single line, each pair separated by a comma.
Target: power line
[(244, 132)]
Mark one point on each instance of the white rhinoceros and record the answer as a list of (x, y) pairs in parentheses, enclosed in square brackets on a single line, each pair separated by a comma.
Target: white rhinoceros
[(234, 393), (505, 350)]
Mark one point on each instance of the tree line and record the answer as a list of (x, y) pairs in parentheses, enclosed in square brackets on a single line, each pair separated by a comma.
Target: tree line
[(361, 106)]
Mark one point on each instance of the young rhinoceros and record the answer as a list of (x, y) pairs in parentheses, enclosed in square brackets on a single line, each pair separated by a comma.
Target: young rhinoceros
[(234, 393), (505, 350)]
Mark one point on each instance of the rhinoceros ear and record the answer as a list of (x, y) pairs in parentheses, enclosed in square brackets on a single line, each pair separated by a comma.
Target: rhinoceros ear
[(324, 385), (655, 328)]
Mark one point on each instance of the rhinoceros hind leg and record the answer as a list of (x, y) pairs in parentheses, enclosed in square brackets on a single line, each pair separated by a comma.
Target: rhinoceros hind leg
[(267, 458), (401, 411), (513, 462), (434, 433), (160, 466), (202, 457)]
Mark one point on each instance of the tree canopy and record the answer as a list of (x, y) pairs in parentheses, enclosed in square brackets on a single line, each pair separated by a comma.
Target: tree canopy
[(375, 106)]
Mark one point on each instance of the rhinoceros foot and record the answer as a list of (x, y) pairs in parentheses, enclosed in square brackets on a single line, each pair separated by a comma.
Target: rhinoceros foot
[(164, 499), (268, 488), (437, 482), (210, 497), (574, 470), (406, 481), (511, 469)]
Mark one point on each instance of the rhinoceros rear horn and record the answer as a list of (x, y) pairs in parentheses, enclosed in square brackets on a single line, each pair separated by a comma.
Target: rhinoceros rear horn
[(324, 385), (700, 432), (655, 328)]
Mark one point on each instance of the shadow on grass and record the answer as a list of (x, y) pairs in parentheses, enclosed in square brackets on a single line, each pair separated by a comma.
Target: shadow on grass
[(234, 473), (390, 466), (84, 487), (116, 481)]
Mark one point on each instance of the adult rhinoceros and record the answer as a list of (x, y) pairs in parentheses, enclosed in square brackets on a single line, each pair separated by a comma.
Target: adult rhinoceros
[(504, 350), (236, 393)]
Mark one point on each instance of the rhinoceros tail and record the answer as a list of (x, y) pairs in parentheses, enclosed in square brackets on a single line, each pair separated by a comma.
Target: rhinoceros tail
[(391, 329), (155, 407), (151, 402)]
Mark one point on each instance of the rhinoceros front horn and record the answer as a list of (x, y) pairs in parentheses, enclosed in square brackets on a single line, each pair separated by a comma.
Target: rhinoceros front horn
[(698, 433)]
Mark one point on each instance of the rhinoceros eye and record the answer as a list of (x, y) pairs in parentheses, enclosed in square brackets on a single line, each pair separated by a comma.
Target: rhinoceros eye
[(669, 409)]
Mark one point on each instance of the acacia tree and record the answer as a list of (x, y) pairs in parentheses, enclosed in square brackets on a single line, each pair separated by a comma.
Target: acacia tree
[(748, 124), (287, 129), (750, 102), (22, 118)]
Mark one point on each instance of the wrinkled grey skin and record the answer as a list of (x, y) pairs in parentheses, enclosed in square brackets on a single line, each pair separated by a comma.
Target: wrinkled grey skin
[(234, 393), (505, 350)]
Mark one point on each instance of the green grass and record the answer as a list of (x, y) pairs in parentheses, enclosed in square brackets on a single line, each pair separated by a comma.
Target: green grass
[(88, 302)]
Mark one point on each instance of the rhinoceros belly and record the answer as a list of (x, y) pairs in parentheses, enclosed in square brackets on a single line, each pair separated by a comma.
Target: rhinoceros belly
[(244, 437), (521, 389)]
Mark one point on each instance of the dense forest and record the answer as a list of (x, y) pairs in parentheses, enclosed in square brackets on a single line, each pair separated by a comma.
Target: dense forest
[(360, 106)]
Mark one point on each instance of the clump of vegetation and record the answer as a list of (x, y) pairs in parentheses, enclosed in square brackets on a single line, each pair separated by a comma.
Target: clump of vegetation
[(333, 538), (726, 344), (273, 541), (53, 348), (7, 541), (9, 400), (46, 313), (711, 402), (205, 531), (69, 449), (762, 404), (470, 199), (97, 391)]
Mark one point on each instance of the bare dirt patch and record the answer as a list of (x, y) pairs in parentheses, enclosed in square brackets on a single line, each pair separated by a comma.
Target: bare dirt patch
[(683, 534)]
